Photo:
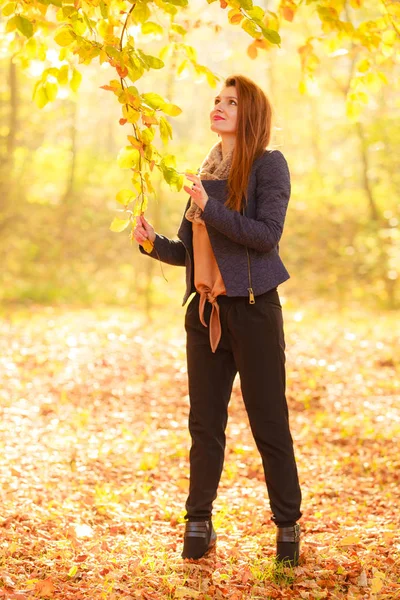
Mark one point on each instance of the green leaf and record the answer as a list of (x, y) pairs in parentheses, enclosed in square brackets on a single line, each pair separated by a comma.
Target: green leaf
[(171, 109), (246, 4), (148, 134), (251, 28), (150, 27), (25, 26), (271, 35), (9, 9), (133, 90), (174, 180), (113, 52), (118, 225), (154, 100), (168, 161), (327, 13), (125, 196), (135, 73), (178, 2), (151, 62), (67, 11), (256, 12), (103, 9), (140, 14), (64, 36), (75, 80), (79, 25), (128, 157), (73, 570)]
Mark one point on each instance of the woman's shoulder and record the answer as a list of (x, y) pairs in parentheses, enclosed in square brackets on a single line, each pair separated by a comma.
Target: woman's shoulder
[(271, 155), (271, 159)]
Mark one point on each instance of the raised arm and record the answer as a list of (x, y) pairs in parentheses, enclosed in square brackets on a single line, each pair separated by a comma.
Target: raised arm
[(272, 196), (169, 251)]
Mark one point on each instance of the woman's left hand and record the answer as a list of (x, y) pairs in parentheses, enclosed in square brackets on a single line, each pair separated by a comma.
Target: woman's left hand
[(197, 191)]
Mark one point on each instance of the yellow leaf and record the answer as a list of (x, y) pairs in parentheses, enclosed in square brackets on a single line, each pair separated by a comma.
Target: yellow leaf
[(251, 28), (353, 111), (51, 90), (184, 64), (62, 76), (171, 109), (130, 114), (150, 27), (73, 570), (128, 157), (150, 188), (148, 246), (302, 87), (350, 540), (9, 9), (64, 36), (11, 24), (124, 197), (389, 37), (79, 26), (363, 65), (76, 80), (119, 225), (40, 96), (377, 582), (182, 483)]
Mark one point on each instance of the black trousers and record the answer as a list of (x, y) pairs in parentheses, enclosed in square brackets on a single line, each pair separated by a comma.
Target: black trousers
[(253, 344)]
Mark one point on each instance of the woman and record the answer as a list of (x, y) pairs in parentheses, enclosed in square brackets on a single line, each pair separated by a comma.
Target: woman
[(228, 242)]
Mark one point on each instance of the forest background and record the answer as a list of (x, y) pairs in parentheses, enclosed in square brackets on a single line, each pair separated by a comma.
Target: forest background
[(336, 119), (93, 395)]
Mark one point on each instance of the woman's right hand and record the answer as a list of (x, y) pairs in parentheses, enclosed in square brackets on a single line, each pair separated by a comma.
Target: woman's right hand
[(143, 231)]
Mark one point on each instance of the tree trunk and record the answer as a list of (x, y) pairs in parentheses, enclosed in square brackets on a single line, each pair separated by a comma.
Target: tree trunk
[(7, 161)]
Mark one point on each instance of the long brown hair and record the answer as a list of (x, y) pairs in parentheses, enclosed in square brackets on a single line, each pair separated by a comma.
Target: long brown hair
[(253, 132)]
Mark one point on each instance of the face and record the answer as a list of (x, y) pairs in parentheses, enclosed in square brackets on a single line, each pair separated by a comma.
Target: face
[(225, 106)]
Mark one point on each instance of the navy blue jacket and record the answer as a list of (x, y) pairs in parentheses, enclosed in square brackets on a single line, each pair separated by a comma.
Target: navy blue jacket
[(230, 232)]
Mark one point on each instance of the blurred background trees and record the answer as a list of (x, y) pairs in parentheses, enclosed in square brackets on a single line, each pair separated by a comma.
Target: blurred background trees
[(337, 104)]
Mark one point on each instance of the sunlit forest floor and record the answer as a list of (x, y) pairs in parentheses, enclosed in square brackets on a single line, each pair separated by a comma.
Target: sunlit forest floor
[(94, 472)]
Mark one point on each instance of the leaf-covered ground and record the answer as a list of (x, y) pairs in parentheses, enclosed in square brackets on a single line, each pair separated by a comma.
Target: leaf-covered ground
[(94, 470)]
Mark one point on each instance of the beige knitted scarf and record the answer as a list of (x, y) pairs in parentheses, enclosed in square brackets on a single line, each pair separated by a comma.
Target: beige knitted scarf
[(214, 166)]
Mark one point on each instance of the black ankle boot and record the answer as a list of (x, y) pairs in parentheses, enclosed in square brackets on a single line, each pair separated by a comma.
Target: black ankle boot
[(288, 545), (198, 539)]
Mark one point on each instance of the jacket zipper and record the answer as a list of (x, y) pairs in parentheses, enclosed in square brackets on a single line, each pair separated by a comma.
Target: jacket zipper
[(251, 293), (250, 288)]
